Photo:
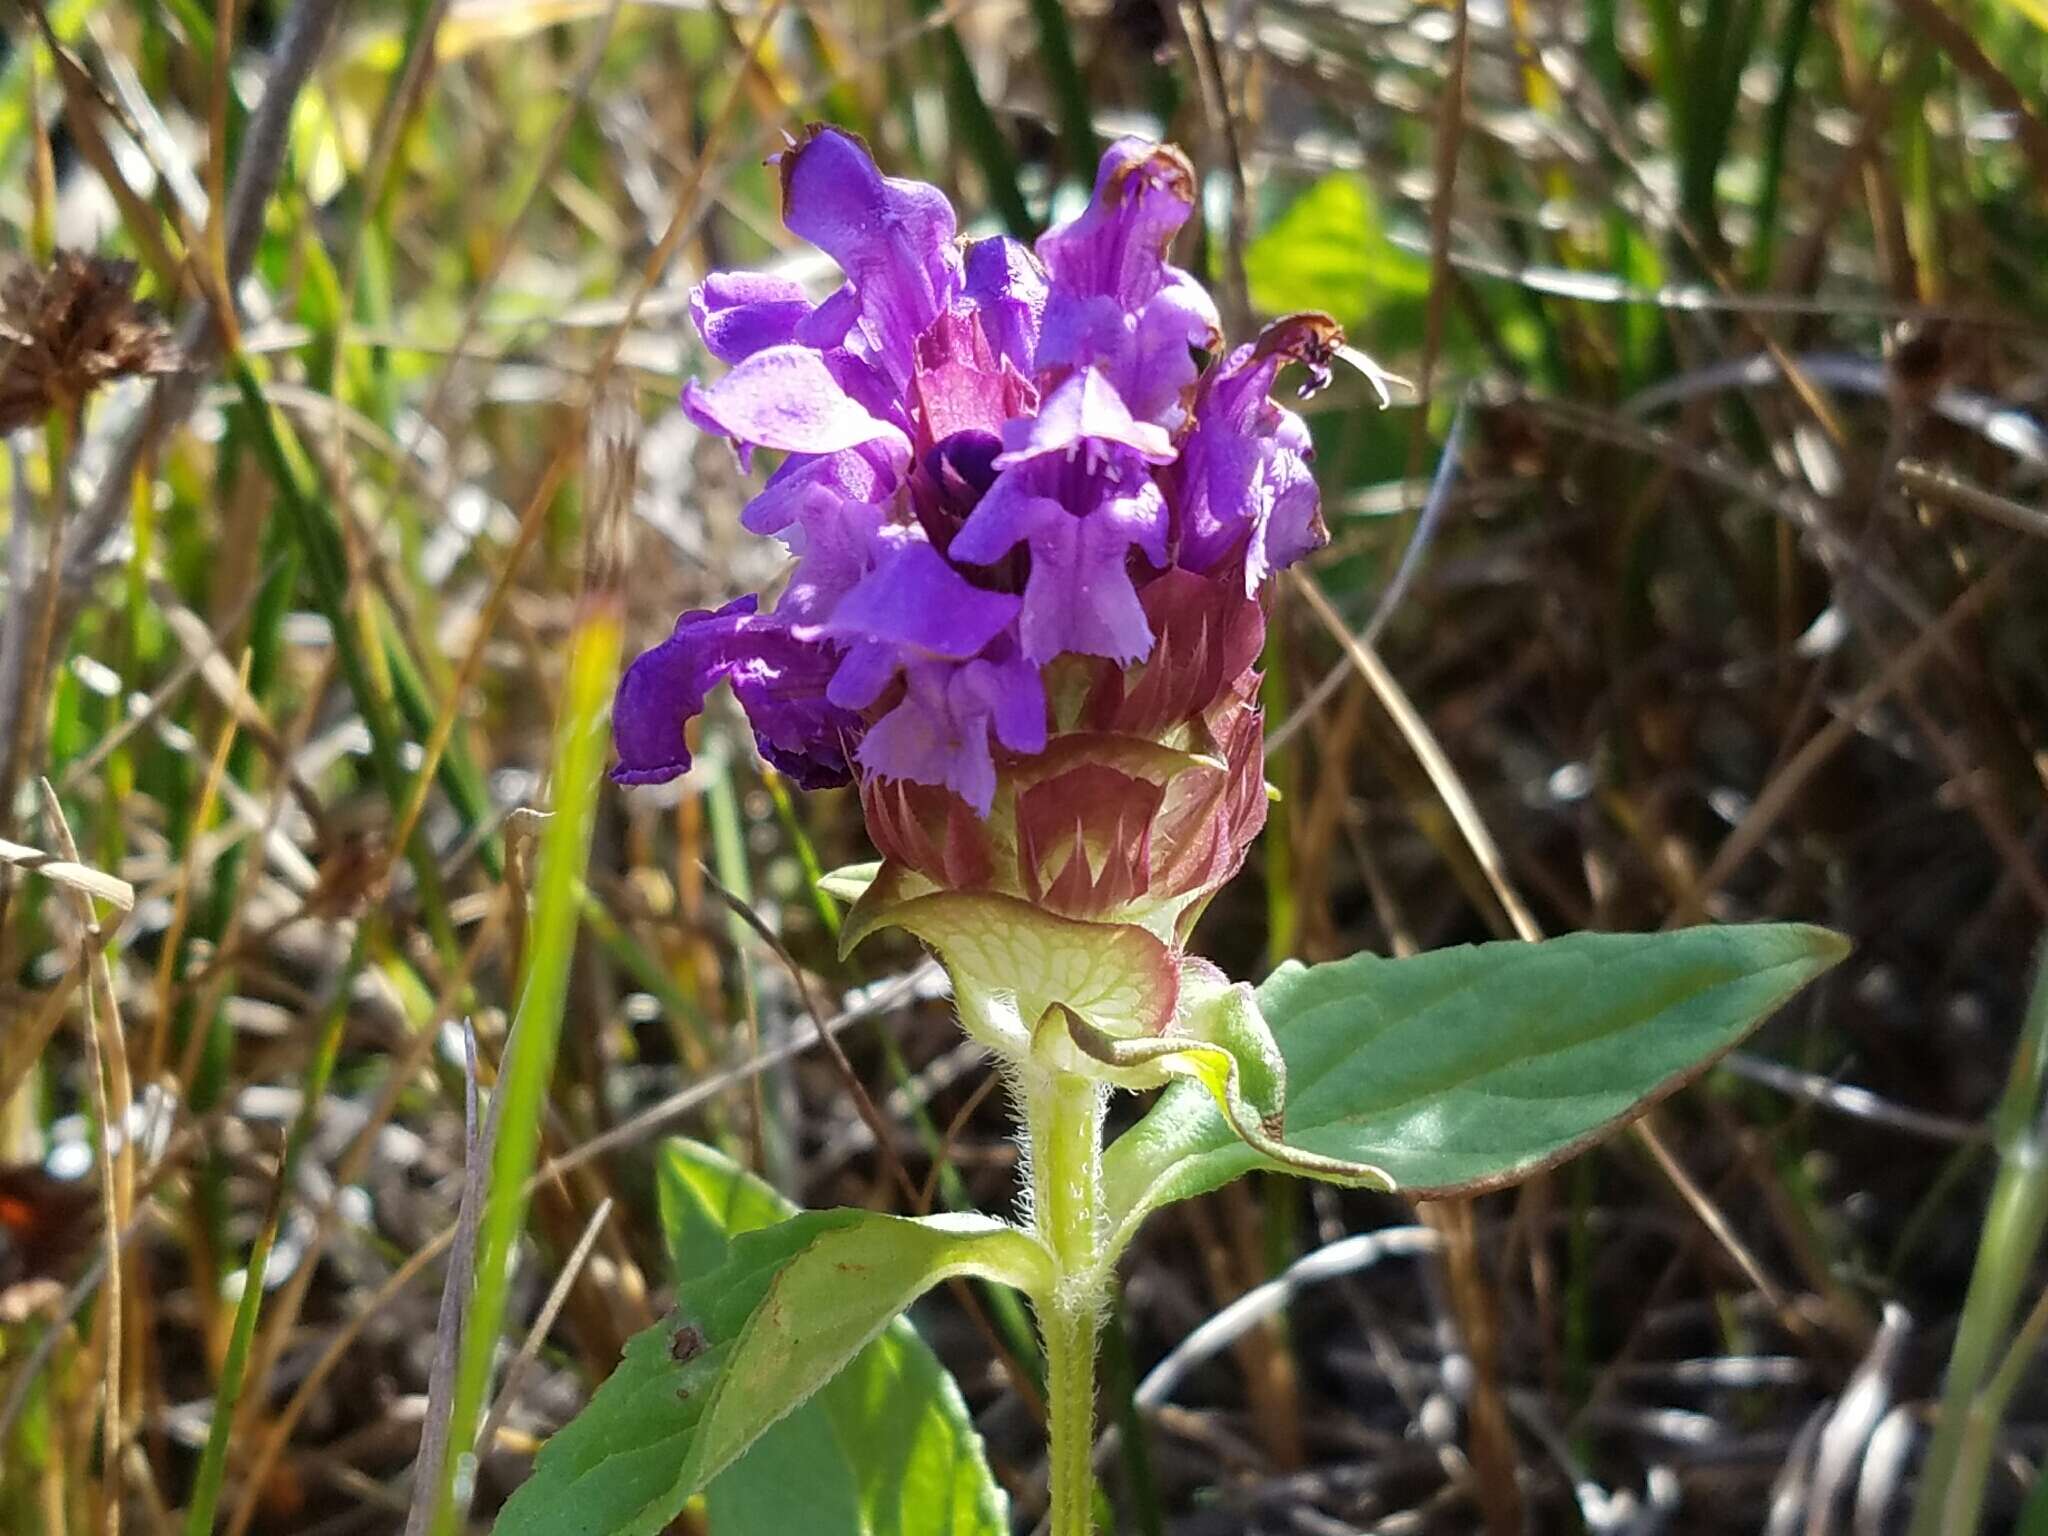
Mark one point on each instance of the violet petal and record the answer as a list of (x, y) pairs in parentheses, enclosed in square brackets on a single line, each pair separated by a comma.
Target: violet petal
[(785, 397), (740, 313), (914, 600), (1086, 408), (893, 238)]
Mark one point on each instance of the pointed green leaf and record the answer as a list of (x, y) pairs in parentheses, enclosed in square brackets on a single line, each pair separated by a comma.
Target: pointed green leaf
[(625, 1465), (849, 882), (759, 1335), (1469, 1068), (886, 1448)]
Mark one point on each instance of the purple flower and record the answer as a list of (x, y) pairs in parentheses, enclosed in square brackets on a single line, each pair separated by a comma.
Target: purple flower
[(741, 313), (1246, 487), (996, 462), (1114, 301), (1075, 486), (780, 682)]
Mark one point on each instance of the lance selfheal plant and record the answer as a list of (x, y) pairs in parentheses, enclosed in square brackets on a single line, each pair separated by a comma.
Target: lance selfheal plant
[(1032, 537)]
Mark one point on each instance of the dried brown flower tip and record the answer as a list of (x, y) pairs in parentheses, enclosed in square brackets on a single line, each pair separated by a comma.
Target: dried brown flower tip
[(67, 331)]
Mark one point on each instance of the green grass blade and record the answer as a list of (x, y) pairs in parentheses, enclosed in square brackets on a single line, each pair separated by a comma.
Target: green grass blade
[(213, 1461), (582, 742), (1776, 128), (1070, 92), (978, 126), (1958, 1466)]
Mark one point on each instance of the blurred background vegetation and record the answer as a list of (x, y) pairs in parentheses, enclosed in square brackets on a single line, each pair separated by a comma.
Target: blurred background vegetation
[(1696, 575)]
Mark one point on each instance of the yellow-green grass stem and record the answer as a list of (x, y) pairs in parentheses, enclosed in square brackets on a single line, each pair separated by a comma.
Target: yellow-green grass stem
[(582, 742)]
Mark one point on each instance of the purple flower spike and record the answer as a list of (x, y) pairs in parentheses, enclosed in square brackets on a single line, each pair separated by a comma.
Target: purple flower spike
[(1005, 488), (779, 680)]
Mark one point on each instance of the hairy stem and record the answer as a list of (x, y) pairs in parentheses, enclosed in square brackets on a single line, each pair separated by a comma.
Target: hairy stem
[(1063, 1118)]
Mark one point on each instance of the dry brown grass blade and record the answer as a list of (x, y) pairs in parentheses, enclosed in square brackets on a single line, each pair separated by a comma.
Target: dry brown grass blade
[(283, 1312), (1968, 55), (543, 1324), (1421, 741), (229, 688), (84, 106), (1711, 1216), (1198, 41), (1451, 789), (1934, 484), (430, 1481), (1603, 122), (113, 1099), (22, 1042), (81, 770), (265, 137), (70, 873), (181, 906), (449, 715), (503, 245), (28, 630), (639, 1128), (211, 255), (863, 1101), (1443, 204)]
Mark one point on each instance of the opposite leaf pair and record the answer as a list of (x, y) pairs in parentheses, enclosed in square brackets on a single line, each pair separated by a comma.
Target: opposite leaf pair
[(1459, 1070)]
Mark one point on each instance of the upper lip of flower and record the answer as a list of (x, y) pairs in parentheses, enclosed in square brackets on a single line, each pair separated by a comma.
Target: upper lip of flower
[(991, 457)]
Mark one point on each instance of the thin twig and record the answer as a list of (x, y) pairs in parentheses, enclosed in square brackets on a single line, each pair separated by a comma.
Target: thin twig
[(107, 1062), (430, 1480), (565, 1282)]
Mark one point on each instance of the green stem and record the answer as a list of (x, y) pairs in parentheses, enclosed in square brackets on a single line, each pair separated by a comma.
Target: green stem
[(1958, 1464), (1063, 1118)]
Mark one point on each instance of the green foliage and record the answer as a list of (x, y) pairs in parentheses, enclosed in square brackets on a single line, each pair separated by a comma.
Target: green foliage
[(886, 1437), (1468, 1068), (1330, 251), (785, 1310)]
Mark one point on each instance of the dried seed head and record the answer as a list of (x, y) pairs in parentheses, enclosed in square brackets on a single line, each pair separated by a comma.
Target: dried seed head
[(68, 330)]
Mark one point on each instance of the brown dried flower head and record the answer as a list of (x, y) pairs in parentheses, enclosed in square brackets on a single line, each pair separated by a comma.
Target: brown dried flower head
[(68, 330)]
